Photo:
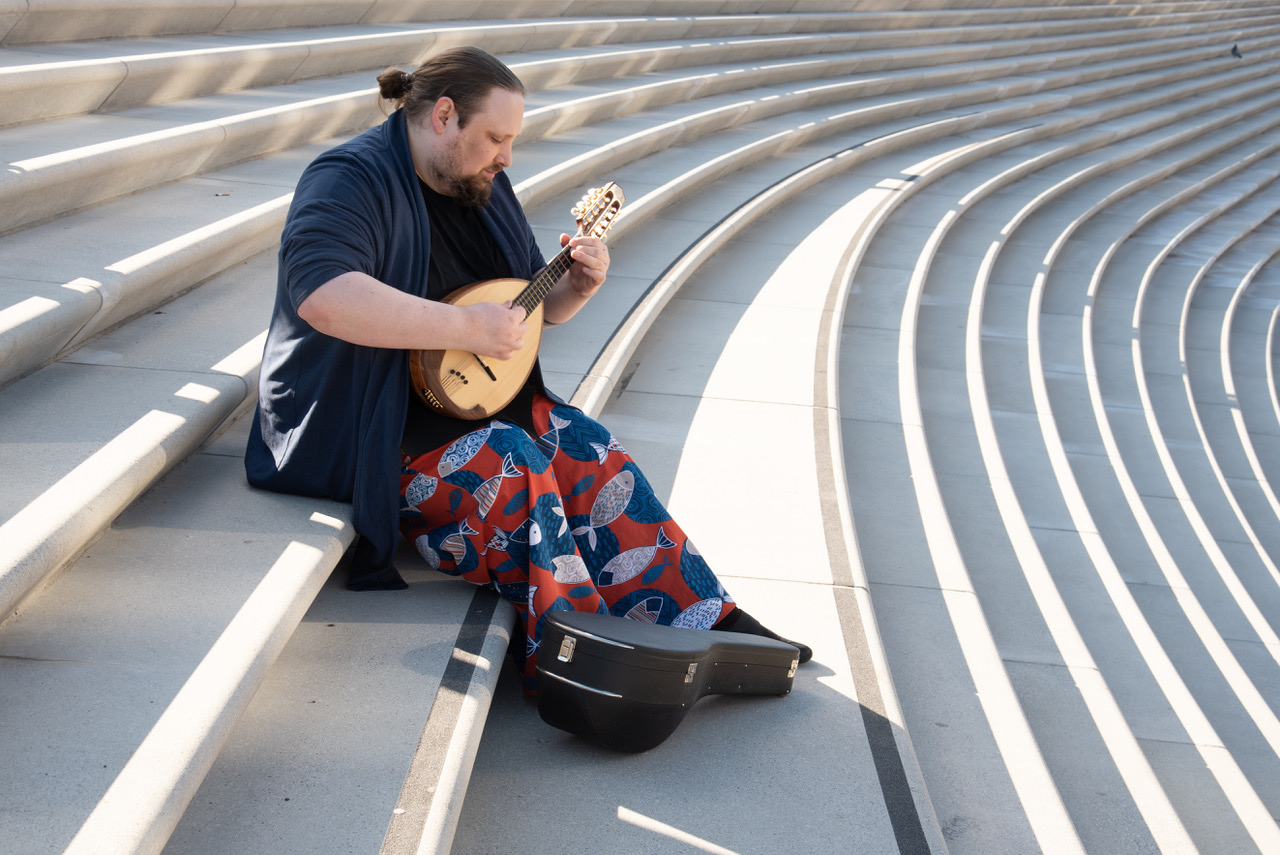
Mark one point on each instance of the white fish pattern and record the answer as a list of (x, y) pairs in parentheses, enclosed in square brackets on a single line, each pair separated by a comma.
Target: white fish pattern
[(627, 565), (549, 442), (461, 450), (424, 549), (456, 543), (487, 493), (611, 501), (570, 569), (602, 451), (502, 540), (421, 488), (647, 610), (701, 615)]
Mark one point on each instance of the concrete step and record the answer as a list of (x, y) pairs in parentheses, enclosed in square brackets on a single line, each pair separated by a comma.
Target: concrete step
[(25, 22), (941, 372), (123, 74), (1065, 554), (114, 348), (138, 147), (1035, 652), (38, 331)]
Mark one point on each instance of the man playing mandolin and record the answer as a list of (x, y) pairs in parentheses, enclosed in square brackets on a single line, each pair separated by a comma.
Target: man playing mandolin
[(535, 499)]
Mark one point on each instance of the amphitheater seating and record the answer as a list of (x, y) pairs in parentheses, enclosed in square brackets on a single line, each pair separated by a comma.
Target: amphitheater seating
[(968, 308)]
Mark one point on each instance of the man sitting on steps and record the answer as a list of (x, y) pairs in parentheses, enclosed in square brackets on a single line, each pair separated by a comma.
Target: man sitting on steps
[(539, 502)]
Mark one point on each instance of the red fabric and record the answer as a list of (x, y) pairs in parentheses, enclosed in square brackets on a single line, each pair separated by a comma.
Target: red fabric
[(562, 521)]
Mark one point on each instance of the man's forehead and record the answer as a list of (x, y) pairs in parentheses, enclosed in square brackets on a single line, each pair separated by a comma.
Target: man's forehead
[(502, 107)]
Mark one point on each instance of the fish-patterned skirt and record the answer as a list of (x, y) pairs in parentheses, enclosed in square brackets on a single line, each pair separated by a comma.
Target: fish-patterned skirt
[(562, 521)]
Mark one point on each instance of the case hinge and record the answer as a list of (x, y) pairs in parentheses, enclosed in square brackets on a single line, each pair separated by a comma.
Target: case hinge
[(566, 648), (693, 669)]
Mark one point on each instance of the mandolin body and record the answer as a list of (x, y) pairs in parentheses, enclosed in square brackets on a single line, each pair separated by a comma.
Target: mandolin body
[(456, 382), (466, 386)]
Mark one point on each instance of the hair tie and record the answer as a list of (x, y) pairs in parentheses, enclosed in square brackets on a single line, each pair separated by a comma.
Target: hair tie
[(406, 77)]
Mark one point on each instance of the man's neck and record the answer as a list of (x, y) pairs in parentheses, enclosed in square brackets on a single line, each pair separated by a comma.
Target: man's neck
[(418, 153)]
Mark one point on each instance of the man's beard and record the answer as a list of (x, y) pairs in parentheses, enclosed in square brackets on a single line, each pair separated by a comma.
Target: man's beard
[(470, 191)]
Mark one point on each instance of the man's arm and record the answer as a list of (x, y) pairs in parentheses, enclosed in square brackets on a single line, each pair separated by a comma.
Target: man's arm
[(359, 309)]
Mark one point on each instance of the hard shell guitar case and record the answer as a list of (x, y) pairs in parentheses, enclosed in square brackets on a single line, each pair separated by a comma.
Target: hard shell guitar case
[(626, 685)]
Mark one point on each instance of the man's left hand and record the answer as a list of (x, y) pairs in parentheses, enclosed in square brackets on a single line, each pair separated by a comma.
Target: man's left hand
[(590, 263)]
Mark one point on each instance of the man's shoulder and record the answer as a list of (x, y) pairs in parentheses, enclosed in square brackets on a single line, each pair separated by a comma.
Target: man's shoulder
[(371, 151), (369, 163)]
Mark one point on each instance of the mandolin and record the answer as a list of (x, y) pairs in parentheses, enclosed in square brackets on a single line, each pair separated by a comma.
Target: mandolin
[(466, 386)]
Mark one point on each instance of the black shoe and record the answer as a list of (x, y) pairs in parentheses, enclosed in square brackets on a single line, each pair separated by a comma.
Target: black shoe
[(739, 621)]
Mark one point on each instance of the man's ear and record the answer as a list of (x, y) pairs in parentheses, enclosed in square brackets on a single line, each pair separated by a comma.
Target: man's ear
[(442, 114)]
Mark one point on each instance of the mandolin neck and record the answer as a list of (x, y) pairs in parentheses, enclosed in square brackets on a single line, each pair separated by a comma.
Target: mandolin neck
[(537, 290)]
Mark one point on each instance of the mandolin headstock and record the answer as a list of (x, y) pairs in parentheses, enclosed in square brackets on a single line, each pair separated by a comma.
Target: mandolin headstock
[(598, 209)]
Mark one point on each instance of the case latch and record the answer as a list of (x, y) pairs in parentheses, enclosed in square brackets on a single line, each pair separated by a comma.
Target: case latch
[(693, 669), (795, 664), (566, 648)]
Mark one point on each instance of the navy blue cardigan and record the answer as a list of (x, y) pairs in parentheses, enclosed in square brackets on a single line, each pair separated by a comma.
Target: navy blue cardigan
[(330, 414)]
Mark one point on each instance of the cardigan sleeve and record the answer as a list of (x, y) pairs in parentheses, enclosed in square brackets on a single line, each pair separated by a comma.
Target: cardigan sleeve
[(337, 224)]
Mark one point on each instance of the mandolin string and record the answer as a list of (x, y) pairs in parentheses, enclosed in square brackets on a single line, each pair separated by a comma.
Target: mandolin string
[(538, 289)]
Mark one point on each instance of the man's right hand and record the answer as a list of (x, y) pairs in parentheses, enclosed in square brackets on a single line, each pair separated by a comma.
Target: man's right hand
[(499, 329)]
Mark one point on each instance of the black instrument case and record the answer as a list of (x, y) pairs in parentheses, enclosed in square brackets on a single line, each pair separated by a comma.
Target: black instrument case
[(626, 684)]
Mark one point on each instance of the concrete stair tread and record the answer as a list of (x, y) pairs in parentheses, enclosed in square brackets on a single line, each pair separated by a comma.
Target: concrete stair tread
[(930, 336), (114, 74), (147, 420), (202, 110), (944, 614), (689, 428), (1085, 604), (42, 27), (360, 681), (147, 631), (1060, 713)]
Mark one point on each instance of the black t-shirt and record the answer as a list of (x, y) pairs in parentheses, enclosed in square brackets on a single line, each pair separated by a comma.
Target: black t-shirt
[(462, 251)]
